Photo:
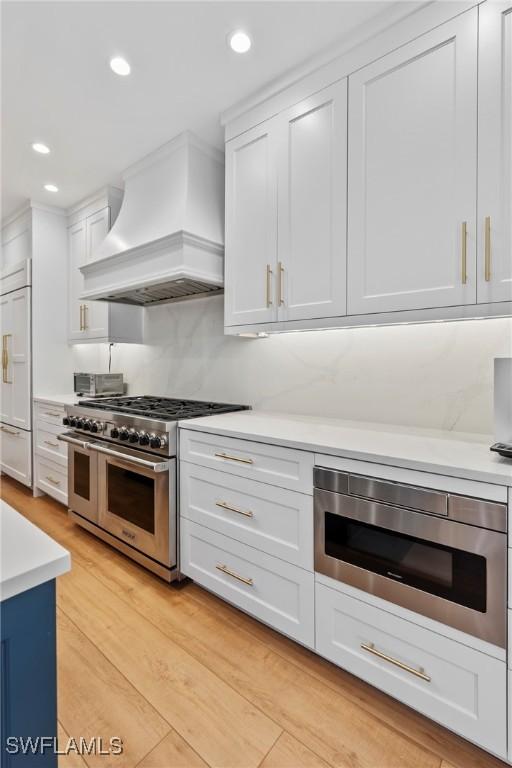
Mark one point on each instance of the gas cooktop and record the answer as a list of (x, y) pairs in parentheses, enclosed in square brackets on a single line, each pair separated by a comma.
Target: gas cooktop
[(161, 408)]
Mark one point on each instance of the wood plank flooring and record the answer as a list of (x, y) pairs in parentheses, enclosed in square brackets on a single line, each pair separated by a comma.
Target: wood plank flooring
[(187, 681)]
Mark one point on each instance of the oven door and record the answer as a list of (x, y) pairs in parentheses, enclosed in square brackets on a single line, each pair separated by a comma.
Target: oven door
[(82, 476), (136, 500), (450, 571)]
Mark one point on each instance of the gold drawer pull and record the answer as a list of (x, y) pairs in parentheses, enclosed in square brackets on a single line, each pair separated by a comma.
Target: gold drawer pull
[(487, 248), (49, 442), (268, 288), (464, 254), (223, 505), (234, 458), (280, 269), (370, 648), (229, 572), (10, 431), (5, 358), (52, 413), (52, 480)]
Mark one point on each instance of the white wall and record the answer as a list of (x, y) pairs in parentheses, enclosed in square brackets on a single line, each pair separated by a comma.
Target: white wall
[(437, 375)]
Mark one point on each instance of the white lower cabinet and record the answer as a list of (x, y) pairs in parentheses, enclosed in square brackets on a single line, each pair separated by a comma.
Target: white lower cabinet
[(277, 593), (451, 683), (47, 444), (274, 520), (50, 455), (16, 453), (270, 464), (52, 478)]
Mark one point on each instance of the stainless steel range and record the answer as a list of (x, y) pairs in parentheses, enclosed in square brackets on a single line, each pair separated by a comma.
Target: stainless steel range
[(122, 472)]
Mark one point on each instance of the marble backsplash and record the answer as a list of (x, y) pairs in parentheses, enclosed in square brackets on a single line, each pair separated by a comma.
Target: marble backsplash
[(437, 375)]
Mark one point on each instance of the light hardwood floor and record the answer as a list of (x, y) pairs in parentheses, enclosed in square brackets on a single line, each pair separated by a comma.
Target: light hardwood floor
[(187, 681)]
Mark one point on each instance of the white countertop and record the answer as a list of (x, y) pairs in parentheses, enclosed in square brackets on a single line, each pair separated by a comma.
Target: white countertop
[(28, 557), (69, 398), (456, 454)]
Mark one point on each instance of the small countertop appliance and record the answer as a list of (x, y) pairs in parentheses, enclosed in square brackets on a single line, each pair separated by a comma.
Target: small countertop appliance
[(98, 384)]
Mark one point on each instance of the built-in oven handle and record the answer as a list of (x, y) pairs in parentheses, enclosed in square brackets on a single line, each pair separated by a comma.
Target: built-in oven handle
[(67, 438), (155, 466)]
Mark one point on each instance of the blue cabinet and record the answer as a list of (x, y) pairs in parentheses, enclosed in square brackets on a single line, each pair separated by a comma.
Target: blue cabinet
[(28, 673)]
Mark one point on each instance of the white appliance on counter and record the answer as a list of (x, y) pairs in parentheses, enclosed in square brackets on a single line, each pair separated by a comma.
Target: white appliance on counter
[(15, 399)]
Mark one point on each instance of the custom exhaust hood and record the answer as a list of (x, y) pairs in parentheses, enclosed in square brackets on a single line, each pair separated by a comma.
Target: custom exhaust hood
[(167, 242)]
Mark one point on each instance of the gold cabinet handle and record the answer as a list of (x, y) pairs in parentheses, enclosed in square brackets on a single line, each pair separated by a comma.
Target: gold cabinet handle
[(370, 648), (280, 272), (85, 316), (81, 317), (234, 575), (49, 442), (227, 457), (487, 248), (464, 252), (5, 358), (52, 480), (268, 288), (10, 431), (52, 413), (224, 505)]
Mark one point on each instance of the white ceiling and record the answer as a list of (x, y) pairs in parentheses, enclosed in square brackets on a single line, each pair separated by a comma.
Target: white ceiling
[(57, 87)]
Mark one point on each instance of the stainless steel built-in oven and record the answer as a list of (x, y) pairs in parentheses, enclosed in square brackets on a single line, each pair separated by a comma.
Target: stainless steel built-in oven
[(128, 494), (439, 554)]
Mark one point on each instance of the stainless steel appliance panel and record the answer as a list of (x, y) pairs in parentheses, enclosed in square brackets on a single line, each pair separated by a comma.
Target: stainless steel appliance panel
[(427, 546)]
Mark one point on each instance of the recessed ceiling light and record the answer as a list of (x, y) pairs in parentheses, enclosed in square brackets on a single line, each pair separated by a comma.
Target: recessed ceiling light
[(240, 41), (51, 188), (120, 66), (41, 148)]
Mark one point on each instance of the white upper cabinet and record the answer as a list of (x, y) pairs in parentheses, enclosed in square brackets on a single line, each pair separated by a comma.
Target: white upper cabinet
[(96, 320), (286, 185), (412, 174), (312, 184), (495, 153), (15, 408), (77, 257), (251, 226)]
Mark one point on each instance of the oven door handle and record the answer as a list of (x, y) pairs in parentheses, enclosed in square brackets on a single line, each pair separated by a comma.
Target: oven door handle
[(67, 437), (155, 466)]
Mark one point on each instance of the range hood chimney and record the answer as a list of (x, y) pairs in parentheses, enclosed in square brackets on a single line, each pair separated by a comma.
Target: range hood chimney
[(167, 242)]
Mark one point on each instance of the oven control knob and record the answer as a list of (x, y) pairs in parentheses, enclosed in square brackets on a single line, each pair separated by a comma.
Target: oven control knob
[(157, 442), (65, 421), (72, 421), (114, 432), (123, 433), (87, 425), (96, 426), (79, 424), (143, 438), (133, 436)]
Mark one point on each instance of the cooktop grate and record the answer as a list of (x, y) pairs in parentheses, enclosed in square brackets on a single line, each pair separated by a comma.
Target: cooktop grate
[(163, 408)]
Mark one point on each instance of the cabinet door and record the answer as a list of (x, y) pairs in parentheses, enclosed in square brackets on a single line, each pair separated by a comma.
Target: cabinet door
[(77, 257), (495, 152), (312, 214), (96, 319), (412, 174), (251, 226), (16, 376)]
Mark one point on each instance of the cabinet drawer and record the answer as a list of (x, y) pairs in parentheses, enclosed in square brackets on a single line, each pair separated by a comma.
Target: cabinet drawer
[(53, 414), (16, 453), (52, 478), (275, 592), (465, 689), (47, 444), (272, 464), (275, 520)]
